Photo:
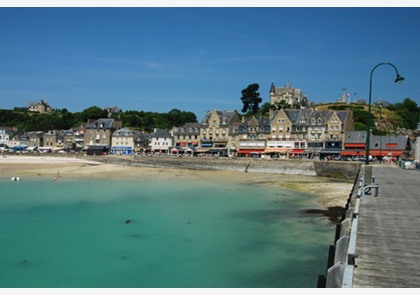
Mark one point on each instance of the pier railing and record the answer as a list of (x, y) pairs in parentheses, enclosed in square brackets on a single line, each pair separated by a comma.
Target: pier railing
[(342, 255)]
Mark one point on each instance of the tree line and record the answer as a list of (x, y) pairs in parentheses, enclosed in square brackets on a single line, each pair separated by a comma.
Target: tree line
[(62, 119), (404, 115)]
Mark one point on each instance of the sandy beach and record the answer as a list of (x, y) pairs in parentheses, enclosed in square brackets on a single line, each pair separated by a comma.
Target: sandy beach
[(327, 192)]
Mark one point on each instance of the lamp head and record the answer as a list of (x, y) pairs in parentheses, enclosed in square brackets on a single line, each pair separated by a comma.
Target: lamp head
[(399, 79)]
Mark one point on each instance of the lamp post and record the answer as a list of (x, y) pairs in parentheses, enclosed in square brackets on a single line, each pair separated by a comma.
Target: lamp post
[(398, 79)]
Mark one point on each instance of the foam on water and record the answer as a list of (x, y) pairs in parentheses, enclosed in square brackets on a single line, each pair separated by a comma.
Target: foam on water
[(127, 233)]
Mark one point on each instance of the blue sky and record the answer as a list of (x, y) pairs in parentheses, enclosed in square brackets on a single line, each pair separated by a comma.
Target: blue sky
[(199, 59)]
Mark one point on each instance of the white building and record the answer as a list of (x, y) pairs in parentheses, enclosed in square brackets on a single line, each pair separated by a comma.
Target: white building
[(160, 141), (4, 136), (123, 142)]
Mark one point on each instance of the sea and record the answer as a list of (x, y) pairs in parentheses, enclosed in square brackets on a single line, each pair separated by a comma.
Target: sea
[(113, 233)]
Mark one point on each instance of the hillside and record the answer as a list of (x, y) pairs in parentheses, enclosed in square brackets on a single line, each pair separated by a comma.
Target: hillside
[(386, 119)]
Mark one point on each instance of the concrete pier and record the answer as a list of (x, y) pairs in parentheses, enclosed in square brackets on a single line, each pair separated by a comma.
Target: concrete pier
[(388, 234)]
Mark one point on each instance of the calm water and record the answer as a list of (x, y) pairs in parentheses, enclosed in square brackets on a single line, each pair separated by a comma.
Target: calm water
[(73, 233)]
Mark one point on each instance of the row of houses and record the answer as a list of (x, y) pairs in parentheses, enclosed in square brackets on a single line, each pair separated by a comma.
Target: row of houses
[(287, 133)]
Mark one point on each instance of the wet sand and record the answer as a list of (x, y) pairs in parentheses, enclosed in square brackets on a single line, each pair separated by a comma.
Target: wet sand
[(327, 192)]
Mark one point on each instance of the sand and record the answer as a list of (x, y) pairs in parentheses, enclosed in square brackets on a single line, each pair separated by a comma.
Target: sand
[(327, 192)]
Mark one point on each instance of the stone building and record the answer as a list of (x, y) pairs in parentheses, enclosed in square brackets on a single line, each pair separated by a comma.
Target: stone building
[(287, 97), (250, 136), (216, 132), (40, 107), (99, 132), (186, 138)]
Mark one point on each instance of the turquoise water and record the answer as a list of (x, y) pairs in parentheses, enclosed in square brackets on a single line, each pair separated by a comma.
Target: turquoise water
[(75, 233)]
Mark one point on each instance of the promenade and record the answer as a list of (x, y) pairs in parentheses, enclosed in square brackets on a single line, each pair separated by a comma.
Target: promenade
[(388, 235)]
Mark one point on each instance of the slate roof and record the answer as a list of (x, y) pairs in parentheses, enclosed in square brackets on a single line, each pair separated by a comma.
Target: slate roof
[(161, 133), (355, 137), (263, 124), (188, 129), (123, 132), (343, 115), (103, 123), (292, 115), (378, 142), (297, 92), (225, 117)]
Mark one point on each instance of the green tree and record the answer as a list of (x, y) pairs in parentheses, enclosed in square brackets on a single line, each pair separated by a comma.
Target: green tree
[(93, 113), (251, 99), (265, 109), (409, 113), (283, 105), (178, 118)]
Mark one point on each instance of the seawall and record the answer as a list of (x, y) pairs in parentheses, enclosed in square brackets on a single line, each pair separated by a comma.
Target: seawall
[(340, 170)]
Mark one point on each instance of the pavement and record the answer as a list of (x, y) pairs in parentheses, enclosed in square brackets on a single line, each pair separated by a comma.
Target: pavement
[(388, 234)]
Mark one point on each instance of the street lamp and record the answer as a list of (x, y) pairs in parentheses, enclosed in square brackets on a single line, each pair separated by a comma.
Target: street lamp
[(398, 79)]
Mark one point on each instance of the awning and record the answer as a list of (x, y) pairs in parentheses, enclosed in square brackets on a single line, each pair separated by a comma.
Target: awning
[(373, 153), (385, 153), (120, 147), (297, 151), (97, 147), (249, 151), (355, 145), (276, 150), (202, 150)]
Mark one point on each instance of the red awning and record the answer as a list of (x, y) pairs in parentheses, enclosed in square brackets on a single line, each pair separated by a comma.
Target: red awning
[(249, 151), (383, 153), (373, 153), (354, 145), (297, 151), (183, 143)]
